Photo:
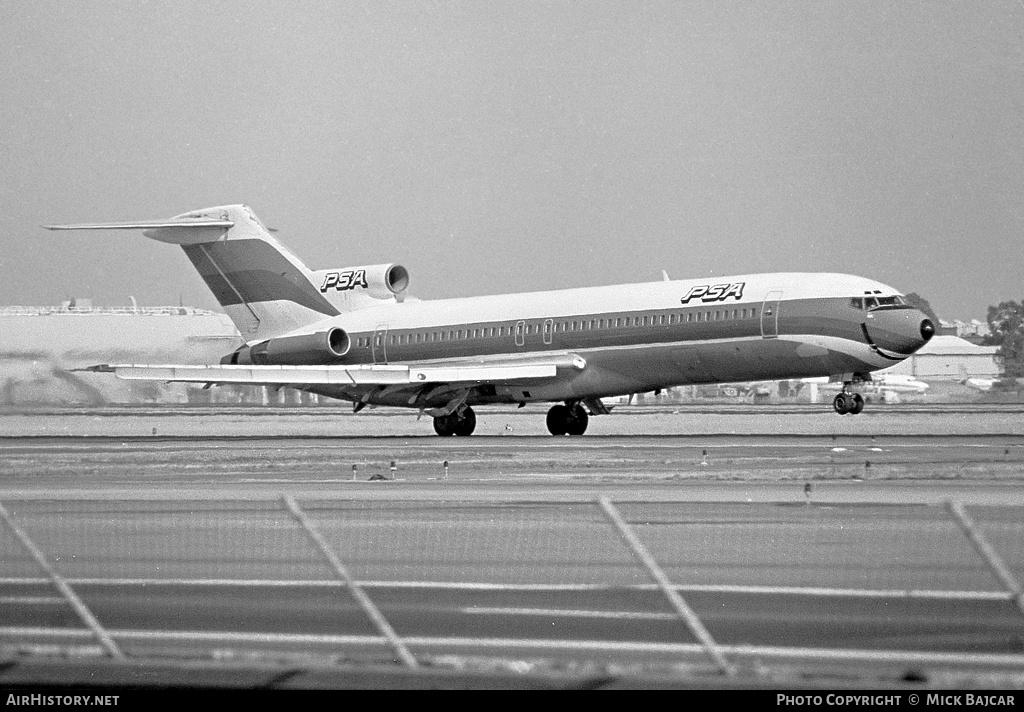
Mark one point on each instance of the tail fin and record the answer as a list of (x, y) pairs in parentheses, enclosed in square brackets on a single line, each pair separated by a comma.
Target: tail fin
[(265, 289)]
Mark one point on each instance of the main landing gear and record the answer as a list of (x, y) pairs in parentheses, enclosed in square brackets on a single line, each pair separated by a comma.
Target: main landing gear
[(460, 422), (851, 403), (568, 419)]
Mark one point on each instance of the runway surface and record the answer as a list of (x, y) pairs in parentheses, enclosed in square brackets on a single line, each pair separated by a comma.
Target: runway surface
[(804, 556)]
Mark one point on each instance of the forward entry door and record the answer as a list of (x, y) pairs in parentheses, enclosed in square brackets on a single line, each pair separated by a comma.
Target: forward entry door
[(770, 315)]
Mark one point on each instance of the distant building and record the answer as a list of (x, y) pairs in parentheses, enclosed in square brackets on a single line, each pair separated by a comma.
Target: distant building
[(950, 358), (974, 330)]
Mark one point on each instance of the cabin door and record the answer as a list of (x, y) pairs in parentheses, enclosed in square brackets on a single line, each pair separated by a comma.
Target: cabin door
[(770, 315), (549, 328), (520, 333), (380, 339)]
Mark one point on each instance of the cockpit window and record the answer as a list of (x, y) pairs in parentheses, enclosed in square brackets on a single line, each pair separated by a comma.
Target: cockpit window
[(874, 302)]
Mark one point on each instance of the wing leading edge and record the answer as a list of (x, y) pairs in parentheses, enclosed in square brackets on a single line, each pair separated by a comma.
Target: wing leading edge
[(358, 375)]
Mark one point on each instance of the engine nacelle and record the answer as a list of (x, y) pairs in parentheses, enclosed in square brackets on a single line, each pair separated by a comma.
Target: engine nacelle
[(306, 349), (377, 281)]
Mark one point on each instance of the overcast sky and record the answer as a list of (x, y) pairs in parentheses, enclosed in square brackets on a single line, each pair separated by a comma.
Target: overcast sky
[(513, 146)]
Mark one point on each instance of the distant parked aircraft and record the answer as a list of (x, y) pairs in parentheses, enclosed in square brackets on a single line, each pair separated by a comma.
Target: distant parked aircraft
[(880, 382), (980, 384), (350, 333)]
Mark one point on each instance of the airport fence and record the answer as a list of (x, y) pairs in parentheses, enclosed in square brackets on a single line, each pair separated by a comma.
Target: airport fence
[(720, 584)]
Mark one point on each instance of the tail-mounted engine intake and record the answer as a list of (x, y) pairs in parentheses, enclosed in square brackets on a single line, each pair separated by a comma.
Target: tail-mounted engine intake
[(377, 281), (307, 349)]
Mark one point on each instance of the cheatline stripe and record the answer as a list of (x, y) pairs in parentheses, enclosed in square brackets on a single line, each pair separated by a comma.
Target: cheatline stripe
[(469, 586), (507, 644), (849, 347)]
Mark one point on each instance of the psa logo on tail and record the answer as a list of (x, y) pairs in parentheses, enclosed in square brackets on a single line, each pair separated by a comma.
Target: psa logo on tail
[(715, 293), (349, 279)]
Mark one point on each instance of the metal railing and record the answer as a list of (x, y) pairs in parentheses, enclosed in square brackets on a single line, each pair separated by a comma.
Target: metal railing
[(495, 558)]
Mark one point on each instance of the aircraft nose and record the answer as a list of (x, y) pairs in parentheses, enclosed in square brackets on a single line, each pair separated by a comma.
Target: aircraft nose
[(899, 332)]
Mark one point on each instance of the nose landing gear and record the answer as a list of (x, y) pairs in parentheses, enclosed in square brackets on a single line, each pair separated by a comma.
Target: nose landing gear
[(851, 403)]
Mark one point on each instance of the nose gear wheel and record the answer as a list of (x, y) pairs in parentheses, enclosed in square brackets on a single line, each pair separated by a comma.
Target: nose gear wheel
[(851, 403)]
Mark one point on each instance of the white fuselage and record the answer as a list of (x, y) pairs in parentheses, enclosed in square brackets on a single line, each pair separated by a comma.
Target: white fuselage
[(633, 338)]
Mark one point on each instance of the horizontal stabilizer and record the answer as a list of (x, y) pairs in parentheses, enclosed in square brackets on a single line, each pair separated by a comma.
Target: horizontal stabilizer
[(147, 224), (357, 375), (177, 231)]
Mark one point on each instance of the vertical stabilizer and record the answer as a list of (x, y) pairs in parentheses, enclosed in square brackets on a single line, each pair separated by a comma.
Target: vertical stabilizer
[(265, 289)]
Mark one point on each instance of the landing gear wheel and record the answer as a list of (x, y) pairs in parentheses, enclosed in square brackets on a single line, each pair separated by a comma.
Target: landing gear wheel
[(578, 420), (466, 423), (858, 404), (444, 425), (842, 403), (558, 420), (462, 424), (851, 403)]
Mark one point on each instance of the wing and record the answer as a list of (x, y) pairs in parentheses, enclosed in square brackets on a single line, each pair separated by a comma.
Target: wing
[(495, 369), (436, 387), (361, 375)]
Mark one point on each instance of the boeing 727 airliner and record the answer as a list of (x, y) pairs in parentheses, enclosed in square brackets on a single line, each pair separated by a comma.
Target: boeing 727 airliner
[(352, 334)]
